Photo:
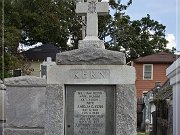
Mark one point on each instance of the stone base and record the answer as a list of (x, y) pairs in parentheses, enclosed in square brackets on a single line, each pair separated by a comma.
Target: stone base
[(125, 111), (12, 131), (91, 56), (91, 44)]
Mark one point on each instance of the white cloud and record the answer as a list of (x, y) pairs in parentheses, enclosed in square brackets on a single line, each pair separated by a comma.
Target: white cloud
[(172, 41), (105, 1), (177, 53), (23, 47), (69, 42)]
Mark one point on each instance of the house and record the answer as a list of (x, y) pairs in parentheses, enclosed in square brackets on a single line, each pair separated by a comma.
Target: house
[(151, 69), (39, 54)]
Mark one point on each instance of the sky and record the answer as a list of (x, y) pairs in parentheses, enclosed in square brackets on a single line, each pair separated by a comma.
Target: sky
[(166, 12)]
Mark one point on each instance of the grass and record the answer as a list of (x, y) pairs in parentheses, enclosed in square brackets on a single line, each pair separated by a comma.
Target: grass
[(142, 133)]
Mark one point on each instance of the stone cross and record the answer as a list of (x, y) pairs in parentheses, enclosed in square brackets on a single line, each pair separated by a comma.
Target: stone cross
[(91, 9), (45, 66)]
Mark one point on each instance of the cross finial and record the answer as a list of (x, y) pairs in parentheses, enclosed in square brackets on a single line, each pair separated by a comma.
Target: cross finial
[(91, 9)]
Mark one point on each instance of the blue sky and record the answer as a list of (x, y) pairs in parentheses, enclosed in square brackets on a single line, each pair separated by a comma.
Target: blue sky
[(166, 12)]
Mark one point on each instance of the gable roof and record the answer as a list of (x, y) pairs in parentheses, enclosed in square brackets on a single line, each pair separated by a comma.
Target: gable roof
[(161, 57), (41, 52)]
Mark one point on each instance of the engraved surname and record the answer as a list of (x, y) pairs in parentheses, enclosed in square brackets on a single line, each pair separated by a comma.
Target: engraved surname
[(90, 73)]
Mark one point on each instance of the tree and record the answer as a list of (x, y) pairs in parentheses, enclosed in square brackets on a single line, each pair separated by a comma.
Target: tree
[(11, 38), (54, 21), (139, 37)]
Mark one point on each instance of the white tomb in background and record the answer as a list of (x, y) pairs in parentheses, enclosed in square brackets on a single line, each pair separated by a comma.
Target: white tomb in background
[(173, 73), (45, 66)]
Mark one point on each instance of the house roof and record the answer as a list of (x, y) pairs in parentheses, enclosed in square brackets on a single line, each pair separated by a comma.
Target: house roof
[(161, 57), (41, 52)]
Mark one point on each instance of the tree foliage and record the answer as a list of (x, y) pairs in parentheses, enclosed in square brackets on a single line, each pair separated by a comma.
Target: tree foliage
[(32, 21), (48, 21), (139, 37), (9, 39)]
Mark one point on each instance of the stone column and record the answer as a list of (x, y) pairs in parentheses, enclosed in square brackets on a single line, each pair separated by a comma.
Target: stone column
[(2, 99), (2, 106), (173, 73)]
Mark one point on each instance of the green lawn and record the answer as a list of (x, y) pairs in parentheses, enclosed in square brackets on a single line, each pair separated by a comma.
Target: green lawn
[(142, 134)]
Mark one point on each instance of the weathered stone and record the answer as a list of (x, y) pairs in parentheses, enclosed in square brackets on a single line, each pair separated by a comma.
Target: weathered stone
[(12, 131), (91, 9), (125, 110), (2, 101), (54, 123), (25, 81), (94, 74), (90, 56), (2, 105), (2, 86), (25, 102), (82, 44)]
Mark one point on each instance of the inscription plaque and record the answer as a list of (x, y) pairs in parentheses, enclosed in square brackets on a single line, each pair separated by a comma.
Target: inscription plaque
[(89, 112)]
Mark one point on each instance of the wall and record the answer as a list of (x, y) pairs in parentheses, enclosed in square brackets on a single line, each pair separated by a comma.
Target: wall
[(2, 105), (2, 99), (25, 105), (36, 66), (159, 74)]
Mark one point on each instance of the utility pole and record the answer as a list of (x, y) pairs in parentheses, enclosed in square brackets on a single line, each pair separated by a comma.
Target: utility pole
[(83, 25), (115, 30)]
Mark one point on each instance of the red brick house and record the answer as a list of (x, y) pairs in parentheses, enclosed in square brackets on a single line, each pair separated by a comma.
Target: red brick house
[(150, 69)]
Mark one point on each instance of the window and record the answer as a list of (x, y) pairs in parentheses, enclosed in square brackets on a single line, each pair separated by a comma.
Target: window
[(17, 72), (147, 72)]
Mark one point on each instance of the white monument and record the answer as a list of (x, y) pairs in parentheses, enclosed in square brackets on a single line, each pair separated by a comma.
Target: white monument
[(91, 90), (173, 73), (91, 9)]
